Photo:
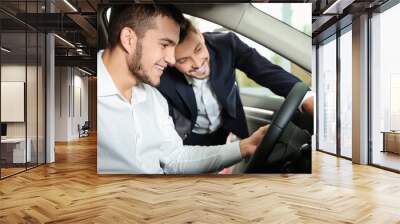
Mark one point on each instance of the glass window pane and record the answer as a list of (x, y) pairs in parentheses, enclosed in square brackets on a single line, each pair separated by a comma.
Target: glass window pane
[(41, 98), (286, 12), (385, 88), (243, 81), (22, 88), (14, 153), (327, 96), (346, 94), (31, 97)]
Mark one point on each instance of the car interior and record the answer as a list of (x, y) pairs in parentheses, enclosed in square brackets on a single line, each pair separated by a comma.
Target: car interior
[(286, 148)]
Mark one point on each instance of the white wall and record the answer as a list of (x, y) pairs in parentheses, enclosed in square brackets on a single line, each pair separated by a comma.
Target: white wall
[(14, 72), (17, 73), (61, 103), (71, 102), (80, 110), (33, 126)]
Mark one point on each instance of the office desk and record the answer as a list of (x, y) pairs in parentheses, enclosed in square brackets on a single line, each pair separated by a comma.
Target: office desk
[(13, 150), (391, 141)]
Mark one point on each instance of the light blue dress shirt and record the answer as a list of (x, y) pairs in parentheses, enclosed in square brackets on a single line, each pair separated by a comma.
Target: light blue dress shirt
[(209, 109)]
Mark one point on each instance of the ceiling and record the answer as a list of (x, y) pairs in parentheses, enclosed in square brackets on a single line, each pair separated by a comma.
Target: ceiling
[(331, 15), (76, 22)]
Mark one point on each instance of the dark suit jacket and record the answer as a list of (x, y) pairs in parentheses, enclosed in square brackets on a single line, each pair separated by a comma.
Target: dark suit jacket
[(227, 52)]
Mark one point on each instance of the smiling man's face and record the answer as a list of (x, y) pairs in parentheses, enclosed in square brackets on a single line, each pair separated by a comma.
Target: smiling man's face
[(192, 57), (154, 51)]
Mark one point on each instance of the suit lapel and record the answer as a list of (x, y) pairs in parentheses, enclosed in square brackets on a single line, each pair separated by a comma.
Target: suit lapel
[(215, 79), (225, 95), (185, 91)]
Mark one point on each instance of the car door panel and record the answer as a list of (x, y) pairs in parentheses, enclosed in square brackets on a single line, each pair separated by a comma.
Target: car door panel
[(259, 105)]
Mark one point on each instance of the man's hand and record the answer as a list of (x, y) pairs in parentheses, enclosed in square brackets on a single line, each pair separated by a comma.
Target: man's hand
[(308, 106), (249, 145)]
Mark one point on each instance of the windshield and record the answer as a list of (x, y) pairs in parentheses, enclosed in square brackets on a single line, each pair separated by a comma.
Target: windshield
[(296, 15)]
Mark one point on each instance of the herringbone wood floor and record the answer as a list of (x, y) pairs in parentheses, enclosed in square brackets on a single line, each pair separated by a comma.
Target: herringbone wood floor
[(70, 191)]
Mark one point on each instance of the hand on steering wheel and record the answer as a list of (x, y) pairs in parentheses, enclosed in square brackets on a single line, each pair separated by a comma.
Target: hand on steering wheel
[(278, 124), (249, 145)]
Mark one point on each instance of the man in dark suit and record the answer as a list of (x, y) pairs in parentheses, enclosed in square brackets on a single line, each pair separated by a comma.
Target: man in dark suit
[(201, 88)]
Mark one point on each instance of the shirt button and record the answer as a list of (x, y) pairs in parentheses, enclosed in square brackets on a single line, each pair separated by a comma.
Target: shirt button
[(185, 136)]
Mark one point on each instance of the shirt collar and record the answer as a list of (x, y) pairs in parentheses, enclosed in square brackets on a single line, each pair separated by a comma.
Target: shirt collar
[(189, 79), (139, 94), (106, 86), (194, 81)]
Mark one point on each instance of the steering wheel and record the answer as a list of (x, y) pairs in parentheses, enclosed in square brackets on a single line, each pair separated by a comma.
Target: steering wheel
[(281, 120)]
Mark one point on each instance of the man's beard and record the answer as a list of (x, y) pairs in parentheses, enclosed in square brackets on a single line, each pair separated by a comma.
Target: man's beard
[(135, 64)]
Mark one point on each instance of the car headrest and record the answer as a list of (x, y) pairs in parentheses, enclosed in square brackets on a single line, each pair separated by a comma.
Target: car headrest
[(102, 27)]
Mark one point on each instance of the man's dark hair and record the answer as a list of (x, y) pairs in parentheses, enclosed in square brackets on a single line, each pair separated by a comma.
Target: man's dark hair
[(140, 18), (186, 28)]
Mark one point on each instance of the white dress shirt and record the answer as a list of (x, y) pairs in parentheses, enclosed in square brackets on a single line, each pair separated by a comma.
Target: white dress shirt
[(139, 136), (209, 109)]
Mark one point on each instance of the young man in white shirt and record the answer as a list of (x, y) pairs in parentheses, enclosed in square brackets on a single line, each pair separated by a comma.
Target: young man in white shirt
[(135, 132)]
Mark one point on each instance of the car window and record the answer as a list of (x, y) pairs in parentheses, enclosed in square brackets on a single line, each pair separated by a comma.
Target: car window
[(296, 15), (246, 84)]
